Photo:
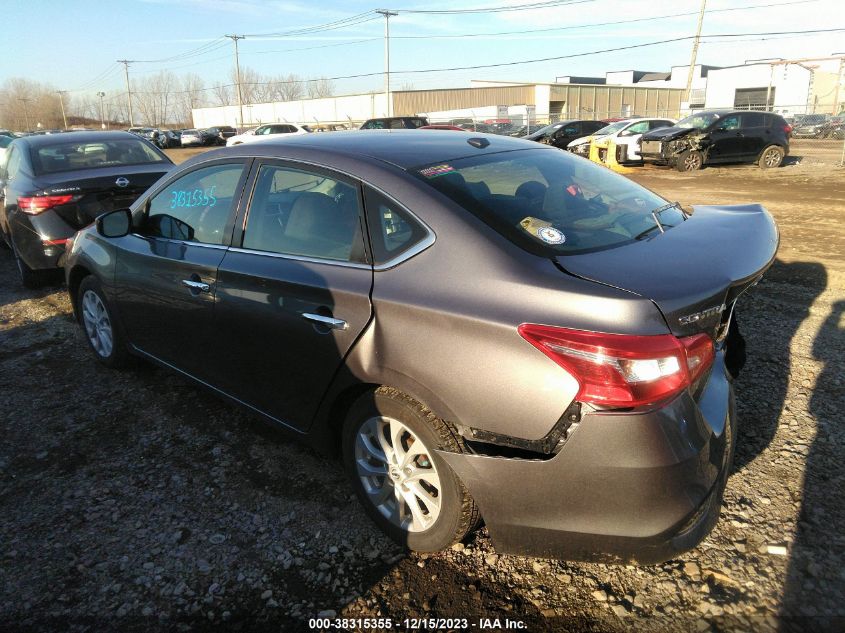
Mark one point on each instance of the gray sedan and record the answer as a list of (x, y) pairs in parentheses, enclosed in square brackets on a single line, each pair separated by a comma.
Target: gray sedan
[(483, 327)]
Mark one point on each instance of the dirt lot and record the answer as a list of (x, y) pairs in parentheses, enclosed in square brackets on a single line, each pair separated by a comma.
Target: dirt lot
[(134, 501)]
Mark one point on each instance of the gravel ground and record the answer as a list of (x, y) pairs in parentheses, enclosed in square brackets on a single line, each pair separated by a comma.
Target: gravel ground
[(133, 501)]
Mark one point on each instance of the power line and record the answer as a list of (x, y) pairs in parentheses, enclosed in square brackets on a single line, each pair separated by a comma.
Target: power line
[(355, 20), (592, 24), (729, 36), (501, 9), (618, 48)]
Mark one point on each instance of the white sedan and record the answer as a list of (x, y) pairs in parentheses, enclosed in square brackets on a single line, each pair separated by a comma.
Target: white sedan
[(266, 131), (625, 134)]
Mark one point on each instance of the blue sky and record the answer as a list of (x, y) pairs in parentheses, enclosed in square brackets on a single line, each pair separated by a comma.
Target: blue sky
[(75, 44)]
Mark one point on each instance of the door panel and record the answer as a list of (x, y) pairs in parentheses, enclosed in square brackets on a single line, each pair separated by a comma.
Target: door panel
[(277, 360), (727, 140), (166, 272), (301, 263), (162, 315)]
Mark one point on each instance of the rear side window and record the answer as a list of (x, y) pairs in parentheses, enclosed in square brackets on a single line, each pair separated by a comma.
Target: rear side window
[(415, 123), (393, 230), (753, 119), (13, 163), (196, 207), (731, 122), (306, 214), (396, 124)]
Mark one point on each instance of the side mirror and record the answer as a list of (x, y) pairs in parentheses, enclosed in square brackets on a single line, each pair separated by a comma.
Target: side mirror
[(115, 223)]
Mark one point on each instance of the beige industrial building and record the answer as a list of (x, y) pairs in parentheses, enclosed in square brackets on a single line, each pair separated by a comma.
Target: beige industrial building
[(521, 103)]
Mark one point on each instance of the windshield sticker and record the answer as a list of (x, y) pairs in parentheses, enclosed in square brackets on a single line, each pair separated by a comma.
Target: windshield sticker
[(542, 230), (551, 235), (437, 170)]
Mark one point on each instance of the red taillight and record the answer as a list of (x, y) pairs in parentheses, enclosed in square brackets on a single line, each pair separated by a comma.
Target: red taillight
[(38, 204), (621, 370), (787, 128), (62, 242)]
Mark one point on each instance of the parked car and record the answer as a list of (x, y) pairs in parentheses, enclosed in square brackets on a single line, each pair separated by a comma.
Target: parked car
[(560, 134), (626, 134), (147, 133), (8, 133), (717, 136), (442, 126), (395, 123), (54, 185), (483, 327), (191, 137), (813, 126), (4, 143), (263, 132), (166, 139)]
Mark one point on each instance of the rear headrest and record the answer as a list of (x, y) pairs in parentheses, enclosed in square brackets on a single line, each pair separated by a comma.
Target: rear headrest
[(317, 215)]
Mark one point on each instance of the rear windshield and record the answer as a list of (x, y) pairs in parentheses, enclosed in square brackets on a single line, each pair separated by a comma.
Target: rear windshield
[(92, 155), (551, 202)]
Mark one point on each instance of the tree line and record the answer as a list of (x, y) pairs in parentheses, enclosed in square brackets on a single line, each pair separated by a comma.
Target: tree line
[(162, 99)]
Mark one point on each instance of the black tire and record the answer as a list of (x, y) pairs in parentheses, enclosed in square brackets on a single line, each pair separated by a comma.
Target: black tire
[(771, 157), (689, 160), (458, 513), (115, 355), (30, 278)]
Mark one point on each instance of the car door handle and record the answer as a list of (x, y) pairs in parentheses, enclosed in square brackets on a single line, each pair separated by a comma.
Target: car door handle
[(196, 285), (329, 322)]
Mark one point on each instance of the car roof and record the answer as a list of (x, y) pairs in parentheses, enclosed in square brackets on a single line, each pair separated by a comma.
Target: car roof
[(403, 148), (71, 137)]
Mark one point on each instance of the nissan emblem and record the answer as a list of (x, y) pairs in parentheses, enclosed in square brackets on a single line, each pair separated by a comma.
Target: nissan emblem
[(121, 182)]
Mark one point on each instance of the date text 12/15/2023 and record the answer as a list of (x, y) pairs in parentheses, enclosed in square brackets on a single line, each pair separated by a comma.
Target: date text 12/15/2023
[(416, 624)]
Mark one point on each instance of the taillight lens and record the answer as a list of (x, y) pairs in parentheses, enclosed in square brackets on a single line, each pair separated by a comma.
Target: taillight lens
[(34, 205), (621, 370), (787, 128)]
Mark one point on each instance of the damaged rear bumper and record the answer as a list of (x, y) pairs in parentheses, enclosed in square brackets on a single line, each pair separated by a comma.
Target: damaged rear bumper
[(625, 487)]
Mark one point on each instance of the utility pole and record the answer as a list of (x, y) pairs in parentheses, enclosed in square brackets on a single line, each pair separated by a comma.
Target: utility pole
[(25, 111), (387, 15), (102, 111), (839, 79), (235, 39), (695, 50), (126, 63), (61, 94)]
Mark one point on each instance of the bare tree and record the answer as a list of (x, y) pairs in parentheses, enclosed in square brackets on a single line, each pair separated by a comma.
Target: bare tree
[(322, 87), (28, 104), (224, 95), (190, 97)]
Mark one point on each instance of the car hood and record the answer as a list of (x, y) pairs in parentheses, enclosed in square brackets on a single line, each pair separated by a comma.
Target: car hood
[(668, 133), (585, 139), (692, 272)]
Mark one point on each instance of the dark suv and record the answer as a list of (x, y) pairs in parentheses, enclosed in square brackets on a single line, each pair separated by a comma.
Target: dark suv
[(719, 137), (395, 123), (561, 133)]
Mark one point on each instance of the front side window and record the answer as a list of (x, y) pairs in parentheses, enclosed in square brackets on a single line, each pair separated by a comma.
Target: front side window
[(637, 128), (550, 203), (195, 207), (729, 123), (697, 121), (305, 214)]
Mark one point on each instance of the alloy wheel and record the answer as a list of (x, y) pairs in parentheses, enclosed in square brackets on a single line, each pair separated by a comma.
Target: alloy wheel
[(398, 474), (772, 158), (98, 326), (692, 162)]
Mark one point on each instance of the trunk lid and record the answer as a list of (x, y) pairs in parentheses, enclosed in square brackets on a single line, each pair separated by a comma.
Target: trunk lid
[(96, 191), (694, 271)]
